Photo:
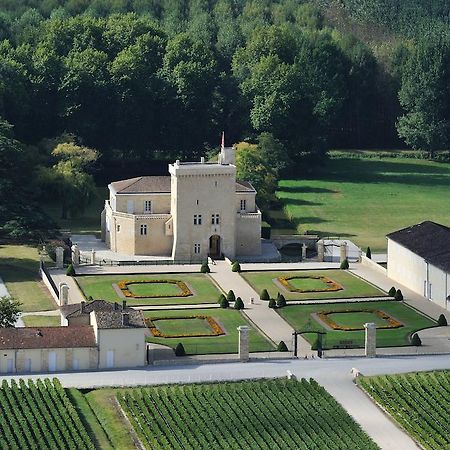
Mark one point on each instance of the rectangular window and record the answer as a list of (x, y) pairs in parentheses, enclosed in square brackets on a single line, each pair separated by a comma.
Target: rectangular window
[(197, 219), (147, 207), (118, 228), (215, 219), (143, 230), (243, 205), (197, 248)]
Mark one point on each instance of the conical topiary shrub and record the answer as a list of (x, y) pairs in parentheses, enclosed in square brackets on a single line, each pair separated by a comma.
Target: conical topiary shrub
[(70, 272), (398, 295), (179, 350), (205, 268), (415, 340), (230, 296), (442, 321), (392, 291), (282, 347), (264, 295), (281, 301), (272, 303), (224, 303), (369, 253), (239, 304), (344, 264), (235, 267), (221, 297)]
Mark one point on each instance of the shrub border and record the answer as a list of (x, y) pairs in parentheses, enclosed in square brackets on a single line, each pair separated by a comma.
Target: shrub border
[(333, 285), (123, 286), (392, 323), (217, 330)]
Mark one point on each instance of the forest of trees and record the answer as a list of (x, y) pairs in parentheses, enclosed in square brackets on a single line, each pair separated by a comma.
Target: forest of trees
[(146, 80)]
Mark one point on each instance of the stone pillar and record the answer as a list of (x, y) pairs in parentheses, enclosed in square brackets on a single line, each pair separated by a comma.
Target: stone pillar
[(59, 257), (371, 340), (92, 256), (320, 251), (63, 294), (304, 247), (243, 343), (75, 255), (343, 251)]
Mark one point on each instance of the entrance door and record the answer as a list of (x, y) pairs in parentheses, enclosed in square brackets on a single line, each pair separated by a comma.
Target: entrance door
[(10, 365), (75, 364), (110, 359), (214, 246), (52, 361)]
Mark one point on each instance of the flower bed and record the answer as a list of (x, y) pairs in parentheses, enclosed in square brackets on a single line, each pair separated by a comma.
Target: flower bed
[(331, 284), (184, 290), (216, 329), (391, 322)]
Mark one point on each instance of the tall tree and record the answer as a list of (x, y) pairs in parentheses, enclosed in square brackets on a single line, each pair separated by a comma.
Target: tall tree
[(9, 312)]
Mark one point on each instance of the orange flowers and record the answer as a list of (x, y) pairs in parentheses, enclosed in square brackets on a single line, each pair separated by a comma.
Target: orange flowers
[(123, 286), (216, 329), (331, 284)]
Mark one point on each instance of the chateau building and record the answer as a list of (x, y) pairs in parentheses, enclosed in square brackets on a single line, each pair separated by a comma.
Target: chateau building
[(200, 210)]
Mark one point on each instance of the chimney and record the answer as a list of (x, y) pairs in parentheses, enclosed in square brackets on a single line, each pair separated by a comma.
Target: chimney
[(202, 160), (82, 306), (124, 304), (125, 319)]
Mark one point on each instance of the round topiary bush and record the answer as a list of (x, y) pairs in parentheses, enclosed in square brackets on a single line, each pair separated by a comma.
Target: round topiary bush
[(205, 268), (179, 350), (281, 301), (442, 321), (398, 295), (369, 253), (344, 264), (415, 340), (230, 296), (224, 303), (239, 304), (282, 347), (264, 295), (221, 297), (392, 291), (235, 267), (70, 272), (272, 303)]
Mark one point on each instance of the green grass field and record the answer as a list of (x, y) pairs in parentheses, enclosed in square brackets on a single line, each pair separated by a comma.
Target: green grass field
[(264, 414), (300, 318), (19, 269), (41, 321), (353, 286), (418, 402), (228, 319), (150, 289), (170, 327), (101, 287), (355, 319), (364, 199)]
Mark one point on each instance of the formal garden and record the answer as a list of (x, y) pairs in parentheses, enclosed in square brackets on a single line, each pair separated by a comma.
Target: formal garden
[(311, 284), (202, 331), (150, 289), (343, 323), (418, 402)]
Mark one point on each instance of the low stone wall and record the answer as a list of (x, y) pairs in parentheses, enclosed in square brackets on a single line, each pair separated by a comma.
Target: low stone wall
[(368, 262), (49, 283)]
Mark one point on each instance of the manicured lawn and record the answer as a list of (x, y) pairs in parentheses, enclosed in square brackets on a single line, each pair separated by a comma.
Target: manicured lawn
[(150, 289), (228, 319), (189, 326), (101, 287), (300, 317), (418, 402), (355, 319), (262, 414), (353, 286), (41, 321), (307, 284), (364, 199), (19, 269)]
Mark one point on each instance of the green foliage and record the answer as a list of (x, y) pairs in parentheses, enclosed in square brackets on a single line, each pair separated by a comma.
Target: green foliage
[(236, 267), (392, 291), (368, 253), (205, 268), (282, 347), (224, 303), (231, 297), (179, 350), (239, 304), (344, 264), (221, 298), (264, 295), (70, 272), (10, 310), (415, 340), (281, 301), (398, 295), (442, 321), (272, 303)]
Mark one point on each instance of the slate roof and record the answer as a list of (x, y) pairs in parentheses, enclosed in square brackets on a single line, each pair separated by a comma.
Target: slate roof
[(78, 309), (160, 184), (429, 240), (47, 337)]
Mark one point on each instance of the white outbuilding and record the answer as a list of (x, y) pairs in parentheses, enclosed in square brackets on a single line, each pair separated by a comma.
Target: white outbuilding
[(419, 258)]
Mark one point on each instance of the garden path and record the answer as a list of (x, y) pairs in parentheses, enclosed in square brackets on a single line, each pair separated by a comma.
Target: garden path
[(266, 319)]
